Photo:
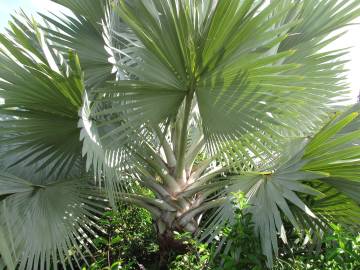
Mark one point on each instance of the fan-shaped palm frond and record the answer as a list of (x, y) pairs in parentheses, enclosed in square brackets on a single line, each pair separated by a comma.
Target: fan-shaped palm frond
[(46, 201), (44, 219), (306, 185), (331, 206), (5, 252), (93, 10), (42, 99), (191, 99), (193, 71), (83, 32), (253, 83), (244, 80)]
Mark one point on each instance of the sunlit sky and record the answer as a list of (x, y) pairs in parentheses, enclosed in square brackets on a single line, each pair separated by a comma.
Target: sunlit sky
[(351, 39)]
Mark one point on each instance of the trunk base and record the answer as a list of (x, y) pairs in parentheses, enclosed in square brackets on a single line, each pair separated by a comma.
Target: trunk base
[(169, 247)]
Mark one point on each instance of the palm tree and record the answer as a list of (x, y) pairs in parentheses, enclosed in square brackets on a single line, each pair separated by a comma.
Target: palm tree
[(192, 99)]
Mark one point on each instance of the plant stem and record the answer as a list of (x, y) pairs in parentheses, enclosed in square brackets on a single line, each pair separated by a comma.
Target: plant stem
[(109, 246), (181, 159), (169, 153), (202, 208)]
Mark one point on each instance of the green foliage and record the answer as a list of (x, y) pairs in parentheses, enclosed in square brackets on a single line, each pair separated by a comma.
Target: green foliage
[(127, 242), (126, 237), (197, 257), (244, 246), (339, 250)]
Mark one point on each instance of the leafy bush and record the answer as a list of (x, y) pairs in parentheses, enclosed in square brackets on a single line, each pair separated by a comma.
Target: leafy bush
[(126, 238), (245, 249), (339, 250), (127, 242), (196, 258)]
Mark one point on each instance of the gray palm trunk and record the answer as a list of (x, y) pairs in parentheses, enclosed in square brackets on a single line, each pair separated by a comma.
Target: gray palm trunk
[(181, 187)]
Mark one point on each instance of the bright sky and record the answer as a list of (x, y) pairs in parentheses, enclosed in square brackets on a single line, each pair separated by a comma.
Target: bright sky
[(8, 7), (351, 39)]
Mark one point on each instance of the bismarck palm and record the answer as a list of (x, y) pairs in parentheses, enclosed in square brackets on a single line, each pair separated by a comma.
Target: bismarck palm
[(193, 100)]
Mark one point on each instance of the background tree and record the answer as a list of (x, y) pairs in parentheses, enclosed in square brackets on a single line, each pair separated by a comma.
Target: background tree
[(193, 100)]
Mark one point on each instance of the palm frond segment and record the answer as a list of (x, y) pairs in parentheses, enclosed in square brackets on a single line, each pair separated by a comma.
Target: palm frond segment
[(306, 185), (239, 59), (42, 97), (43, 220), (93, 10), (83, 31)]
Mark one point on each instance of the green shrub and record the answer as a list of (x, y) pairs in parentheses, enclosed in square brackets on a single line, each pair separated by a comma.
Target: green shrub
[(244, 252), (245, 249), (196, 258), (339, 250), (126, 238), (128, 242)]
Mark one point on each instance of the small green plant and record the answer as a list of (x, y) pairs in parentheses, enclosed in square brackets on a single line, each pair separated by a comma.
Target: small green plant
[(342, 248), (125, 239), (196, 258), (339, 250), (245, 249)]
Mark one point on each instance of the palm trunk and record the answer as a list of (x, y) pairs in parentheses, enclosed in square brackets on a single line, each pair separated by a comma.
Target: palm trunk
[(169, 243), (181, 188), (169, 246)]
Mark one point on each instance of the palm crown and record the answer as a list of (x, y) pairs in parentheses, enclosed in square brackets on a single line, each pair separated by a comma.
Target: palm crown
[(193, 100)]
